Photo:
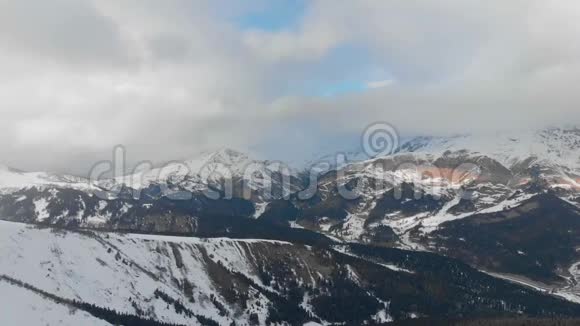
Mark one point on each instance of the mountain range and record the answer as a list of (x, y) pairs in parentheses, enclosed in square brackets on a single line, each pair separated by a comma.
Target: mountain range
[(444, 227)]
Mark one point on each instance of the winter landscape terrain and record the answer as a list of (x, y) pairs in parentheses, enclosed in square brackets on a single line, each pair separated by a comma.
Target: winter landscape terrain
[(290, 162), (457, 228)]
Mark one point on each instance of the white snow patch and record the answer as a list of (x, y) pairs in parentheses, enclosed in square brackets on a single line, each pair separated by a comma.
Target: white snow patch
[(344, 250), (40, 208), (260, 209)]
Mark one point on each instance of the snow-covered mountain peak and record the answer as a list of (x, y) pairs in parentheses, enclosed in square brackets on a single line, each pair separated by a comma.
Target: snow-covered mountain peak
[(210, 167), (228, 155), (556, 146), (223, 157)]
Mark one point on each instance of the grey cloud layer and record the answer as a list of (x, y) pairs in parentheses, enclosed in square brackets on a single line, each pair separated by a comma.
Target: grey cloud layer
[(170, 78)]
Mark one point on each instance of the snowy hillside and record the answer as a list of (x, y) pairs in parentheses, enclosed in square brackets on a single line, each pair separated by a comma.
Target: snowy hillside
[(19, 306), (94, 278), (126, 272)]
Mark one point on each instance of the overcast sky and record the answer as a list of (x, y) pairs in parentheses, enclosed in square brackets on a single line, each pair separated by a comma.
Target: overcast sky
[(170, 78)]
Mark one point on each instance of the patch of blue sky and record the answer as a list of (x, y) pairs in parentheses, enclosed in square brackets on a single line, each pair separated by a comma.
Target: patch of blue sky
[(348, 86), (273, 15), (346, 69)]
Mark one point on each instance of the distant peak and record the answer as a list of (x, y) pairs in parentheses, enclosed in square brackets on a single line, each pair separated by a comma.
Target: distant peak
[(228, 152), (225, 154)]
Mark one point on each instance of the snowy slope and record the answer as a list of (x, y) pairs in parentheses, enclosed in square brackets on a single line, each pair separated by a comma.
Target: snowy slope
[(115, 271), (156, 276), (189, 281), (19, 306)]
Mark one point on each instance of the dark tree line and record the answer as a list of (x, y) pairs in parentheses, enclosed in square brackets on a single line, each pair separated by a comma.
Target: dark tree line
[(110, 315)]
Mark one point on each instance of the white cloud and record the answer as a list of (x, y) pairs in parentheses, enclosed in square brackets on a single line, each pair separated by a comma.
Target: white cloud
[(380, 83), (169, 78)]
